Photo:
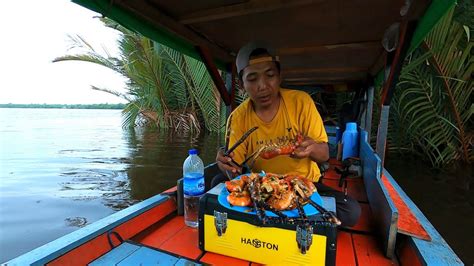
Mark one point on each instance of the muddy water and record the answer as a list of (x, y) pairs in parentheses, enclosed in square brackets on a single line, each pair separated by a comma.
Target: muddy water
[(445, 196), (63, 169)]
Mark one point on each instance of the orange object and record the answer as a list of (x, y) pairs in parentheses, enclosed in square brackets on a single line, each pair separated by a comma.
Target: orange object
[(184, 243), (368, 252), (273, 151), (407, 222), (345, 250)]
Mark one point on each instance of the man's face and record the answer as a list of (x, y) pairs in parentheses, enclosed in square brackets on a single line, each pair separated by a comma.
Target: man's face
[(262, 83)]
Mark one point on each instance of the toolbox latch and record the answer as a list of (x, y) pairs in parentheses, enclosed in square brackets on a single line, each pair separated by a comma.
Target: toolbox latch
[(220, 221), (304, 237)]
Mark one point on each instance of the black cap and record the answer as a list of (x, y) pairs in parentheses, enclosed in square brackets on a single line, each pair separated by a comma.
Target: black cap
[(243, 56)]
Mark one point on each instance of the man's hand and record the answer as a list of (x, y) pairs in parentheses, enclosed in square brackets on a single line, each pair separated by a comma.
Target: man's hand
[(225, 164), (309, 148)]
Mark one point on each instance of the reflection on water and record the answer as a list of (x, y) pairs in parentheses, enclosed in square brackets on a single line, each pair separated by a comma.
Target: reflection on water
[(157, 159), (63, 169), (444, 197)]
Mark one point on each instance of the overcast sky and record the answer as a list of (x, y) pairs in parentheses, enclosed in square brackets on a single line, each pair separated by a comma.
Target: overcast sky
[(33, 34)]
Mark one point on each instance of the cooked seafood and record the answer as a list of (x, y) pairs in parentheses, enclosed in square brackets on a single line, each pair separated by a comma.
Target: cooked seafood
[(283, 147), (276, 192)]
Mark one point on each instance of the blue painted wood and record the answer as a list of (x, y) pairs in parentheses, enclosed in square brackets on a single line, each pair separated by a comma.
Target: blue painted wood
[(58, 247), (383, 209), (148, 256), (116, 255), (185, 262), (330, 129), (436, 251)]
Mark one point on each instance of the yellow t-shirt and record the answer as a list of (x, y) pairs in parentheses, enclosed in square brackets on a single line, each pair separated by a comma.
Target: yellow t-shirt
[(297, 113)]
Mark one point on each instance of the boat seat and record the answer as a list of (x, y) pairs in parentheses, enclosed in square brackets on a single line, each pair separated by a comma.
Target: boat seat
[(129, 253)]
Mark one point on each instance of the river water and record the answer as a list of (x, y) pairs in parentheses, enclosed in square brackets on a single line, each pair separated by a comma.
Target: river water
[(61, 169)]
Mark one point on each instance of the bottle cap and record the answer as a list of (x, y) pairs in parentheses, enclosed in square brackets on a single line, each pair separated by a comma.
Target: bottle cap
[(193, 152)]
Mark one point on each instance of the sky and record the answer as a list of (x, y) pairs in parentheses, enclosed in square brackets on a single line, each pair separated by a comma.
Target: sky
[(33, 34)]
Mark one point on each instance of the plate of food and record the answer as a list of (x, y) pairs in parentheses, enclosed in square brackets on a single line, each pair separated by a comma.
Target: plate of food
[(278, 192)]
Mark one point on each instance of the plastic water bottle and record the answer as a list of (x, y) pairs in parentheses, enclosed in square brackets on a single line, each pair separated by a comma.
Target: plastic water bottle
[(350, 141), (193, 187)]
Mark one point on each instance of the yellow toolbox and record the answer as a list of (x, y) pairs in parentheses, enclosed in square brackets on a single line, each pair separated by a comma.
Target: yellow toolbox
[(242, 235)]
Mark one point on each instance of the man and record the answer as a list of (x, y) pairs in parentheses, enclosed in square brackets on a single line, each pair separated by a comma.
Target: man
[(280, 115)]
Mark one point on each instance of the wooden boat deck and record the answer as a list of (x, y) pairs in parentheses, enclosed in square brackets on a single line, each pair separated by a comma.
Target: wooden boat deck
[(154, 232), (355, 246)]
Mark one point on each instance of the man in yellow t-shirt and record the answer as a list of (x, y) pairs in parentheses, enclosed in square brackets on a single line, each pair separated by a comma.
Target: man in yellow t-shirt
[(280, 115), (296, 114)]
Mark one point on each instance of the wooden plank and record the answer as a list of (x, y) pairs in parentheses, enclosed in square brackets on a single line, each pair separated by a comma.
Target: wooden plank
[(208, 61), (163, 233), (289, 71), (218, 259), (250, 7), (365, 221), (56, 248), (94, 248), (327, 47), (345, 250), (184, 243), (185, 262), (436, 252), (407, 222), (385, 215), (115, 255), (355, 186), (148, 256), (368, 251), (408, 255), (152, 14)]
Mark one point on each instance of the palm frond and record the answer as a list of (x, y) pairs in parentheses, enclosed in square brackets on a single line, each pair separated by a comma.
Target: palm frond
[(431, 107)]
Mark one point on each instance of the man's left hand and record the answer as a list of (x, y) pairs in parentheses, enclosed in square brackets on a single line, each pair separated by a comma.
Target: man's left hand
[(318, 152)]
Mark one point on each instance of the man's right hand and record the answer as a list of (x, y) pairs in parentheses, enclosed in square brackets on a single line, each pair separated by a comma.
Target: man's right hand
[(225, 164)]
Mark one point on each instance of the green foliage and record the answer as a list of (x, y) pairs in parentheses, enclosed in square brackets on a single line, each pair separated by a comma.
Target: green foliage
[(432, 106), (164, 87)]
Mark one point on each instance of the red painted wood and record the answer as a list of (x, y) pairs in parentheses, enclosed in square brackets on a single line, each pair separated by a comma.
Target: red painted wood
[(345, 251), (163, 233), (333, 161), (173, 189), (217, 259), (85, 253), (364, 224), (355, 186), (408, 255), (214, 73), (98, 246), (184, 243), (407, 222), (369, 252)]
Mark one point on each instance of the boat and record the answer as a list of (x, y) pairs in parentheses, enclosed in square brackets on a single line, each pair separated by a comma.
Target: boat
[(325, 45)]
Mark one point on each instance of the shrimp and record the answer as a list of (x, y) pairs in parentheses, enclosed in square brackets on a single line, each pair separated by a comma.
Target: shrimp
[(283, 148), (282, 200), (239, 198)]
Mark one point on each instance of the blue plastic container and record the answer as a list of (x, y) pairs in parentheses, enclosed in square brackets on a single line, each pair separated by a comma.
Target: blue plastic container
[(350, 141)]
